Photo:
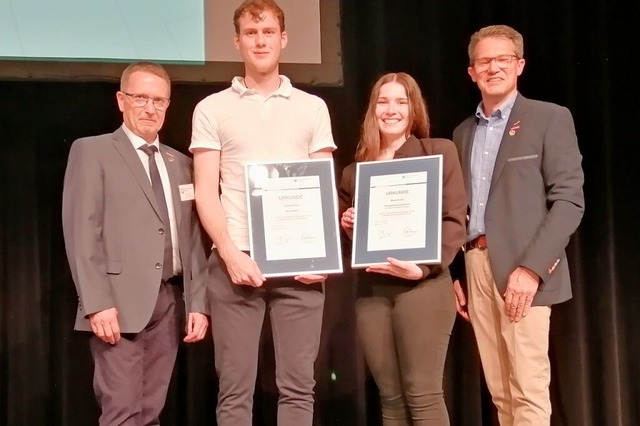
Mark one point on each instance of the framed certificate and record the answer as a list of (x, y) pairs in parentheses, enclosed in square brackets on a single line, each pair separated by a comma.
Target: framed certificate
[(398, 211), (293, 217)]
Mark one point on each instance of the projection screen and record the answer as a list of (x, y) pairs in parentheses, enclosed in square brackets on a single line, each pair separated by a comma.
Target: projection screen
[(87, 40)]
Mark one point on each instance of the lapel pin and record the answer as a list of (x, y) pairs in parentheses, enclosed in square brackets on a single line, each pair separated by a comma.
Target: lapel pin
[(170, 156), (514, 128)]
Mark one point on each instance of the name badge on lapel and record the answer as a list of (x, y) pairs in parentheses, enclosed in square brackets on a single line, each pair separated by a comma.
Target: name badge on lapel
[(186, 192)]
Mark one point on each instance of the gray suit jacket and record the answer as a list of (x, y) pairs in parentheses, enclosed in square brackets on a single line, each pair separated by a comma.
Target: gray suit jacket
[(112, 231), (535, 200)]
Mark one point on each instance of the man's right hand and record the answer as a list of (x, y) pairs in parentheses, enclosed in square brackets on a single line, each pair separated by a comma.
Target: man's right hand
[(461, 300), (105, 325), (242, 269)]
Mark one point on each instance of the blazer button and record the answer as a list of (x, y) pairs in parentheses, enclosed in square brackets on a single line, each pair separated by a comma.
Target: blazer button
[(158, 266), (160, 231)]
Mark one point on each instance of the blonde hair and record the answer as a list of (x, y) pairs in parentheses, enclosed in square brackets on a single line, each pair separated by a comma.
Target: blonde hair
[(418, 125), (496, 31)]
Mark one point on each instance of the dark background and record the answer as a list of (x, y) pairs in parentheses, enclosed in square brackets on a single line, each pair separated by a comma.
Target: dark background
[(579, 54)]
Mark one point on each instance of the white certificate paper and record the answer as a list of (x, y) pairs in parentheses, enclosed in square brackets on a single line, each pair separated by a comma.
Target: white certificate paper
[(292, 214), (397, 211)]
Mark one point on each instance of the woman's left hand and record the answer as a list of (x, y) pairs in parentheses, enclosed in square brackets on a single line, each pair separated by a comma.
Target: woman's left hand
[(398, 268), (311, 278)]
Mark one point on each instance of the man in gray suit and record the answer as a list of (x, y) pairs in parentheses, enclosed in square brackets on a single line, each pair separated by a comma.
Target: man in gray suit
[(523, 174), (134, 246)]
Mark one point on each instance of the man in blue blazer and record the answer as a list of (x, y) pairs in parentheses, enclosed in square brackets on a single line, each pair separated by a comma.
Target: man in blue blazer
[(134, 246), (523, 174)]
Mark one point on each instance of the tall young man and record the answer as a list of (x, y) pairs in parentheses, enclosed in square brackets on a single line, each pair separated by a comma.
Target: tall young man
[(261, 117)]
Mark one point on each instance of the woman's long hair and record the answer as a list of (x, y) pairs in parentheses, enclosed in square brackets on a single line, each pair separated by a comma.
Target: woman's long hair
[(370, 141)]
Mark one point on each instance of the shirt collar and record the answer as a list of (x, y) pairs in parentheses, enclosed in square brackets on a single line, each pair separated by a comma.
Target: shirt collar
[(283, 90), (503, 110), (137, 141)]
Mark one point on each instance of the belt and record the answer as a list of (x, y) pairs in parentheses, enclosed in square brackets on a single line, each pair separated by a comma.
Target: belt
[(175, 280), (479, 242)]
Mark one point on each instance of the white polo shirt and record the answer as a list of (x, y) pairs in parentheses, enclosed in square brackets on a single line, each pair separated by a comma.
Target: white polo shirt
[(246, 126)]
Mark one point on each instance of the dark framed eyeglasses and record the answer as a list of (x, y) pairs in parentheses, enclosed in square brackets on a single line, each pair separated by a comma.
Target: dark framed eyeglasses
[(502, 61)]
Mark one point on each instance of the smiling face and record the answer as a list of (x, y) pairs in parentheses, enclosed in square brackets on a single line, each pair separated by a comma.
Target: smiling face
[(143, 121), (392, 112), (260, 41), (496, 79)]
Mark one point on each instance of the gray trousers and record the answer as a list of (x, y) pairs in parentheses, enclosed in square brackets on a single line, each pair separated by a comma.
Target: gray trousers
[(237, 315), (404, 331), (131, 378)]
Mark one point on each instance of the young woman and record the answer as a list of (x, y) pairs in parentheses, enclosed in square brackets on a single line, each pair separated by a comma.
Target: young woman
[(405, 312)]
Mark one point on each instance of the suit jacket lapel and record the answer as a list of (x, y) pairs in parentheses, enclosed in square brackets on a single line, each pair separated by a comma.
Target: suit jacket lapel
[(130, 156), (508, 140), (173, 172)]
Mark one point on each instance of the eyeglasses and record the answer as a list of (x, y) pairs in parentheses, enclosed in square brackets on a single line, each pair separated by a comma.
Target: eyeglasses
[(502, 61), (141, 101)]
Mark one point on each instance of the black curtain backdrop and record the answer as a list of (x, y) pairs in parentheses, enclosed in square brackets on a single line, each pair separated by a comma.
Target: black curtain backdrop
[(579, 54)]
